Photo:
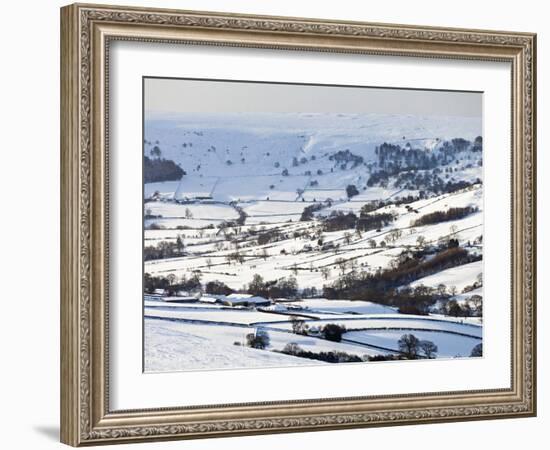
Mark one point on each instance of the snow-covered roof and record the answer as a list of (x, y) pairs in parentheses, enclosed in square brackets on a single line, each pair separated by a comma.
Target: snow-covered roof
[(211, 298), (239, 296), (179, 298), (248, 300)]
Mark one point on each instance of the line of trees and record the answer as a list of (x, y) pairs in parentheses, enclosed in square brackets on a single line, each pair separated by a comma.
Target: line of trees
[(171, 283), (165, 249), (382, 286), (454, 213), (294, 349)]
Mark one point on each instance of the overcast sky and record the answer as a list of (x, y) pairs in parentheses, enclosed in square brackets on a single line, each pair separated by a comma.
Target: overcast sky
[(168, 96)]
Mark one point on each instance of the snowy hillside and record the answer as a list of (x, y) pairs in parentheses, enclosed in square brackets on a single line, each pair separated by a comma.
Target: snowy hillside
[(243, 156)]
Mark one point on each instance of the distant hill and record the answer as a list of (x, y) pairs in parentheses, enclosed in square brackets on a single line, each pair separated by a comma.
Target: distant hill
[(292, 156)]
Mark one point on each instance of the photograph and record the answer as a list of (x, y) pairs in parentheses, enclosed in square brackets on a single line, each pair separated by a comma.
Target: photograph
[(289, 220), (290, 224)]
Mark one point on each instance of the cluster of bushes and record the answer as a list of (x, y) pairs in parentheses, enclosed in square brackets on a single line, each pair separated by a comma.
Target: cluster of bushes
[(161, 170), (445, 216), (282, 288), (331, 357)]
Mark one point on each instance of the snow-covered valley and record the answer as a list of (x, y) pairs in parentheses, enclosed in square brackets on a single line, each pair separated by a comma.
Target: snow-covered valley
[(296, 239)]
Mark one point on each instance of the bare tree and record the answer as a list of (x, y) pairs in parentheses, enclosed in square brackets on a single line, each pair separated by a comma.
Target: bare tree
[(477, 351), (347, 237), (171, 279), (298, 325), (428, 348), (180, 243), (408, 345), (441, 289)]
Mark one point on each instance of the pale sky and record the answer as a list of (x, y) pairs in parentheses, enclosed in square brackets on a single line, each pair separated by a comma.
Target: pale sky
[(172, 96)]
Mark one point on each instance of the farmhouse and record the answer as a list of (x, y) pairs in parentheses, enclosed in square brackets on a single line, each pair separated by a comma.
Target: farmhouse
[(235, 300), (212, 298)]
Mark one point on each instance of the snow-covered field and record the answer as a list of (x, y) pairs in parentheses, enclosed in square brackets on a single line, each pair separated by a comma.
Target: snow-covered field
[(238, 213), (448, 345), (170, 347)]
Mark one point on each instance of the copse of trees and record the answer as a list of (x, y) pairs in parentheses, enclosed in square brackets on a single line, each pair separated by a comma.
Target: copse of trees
[(282, 288), (218, 288), (339, 221), (268, 236), (351, 190), (345, 156), (381, 286), (308, 212), (155, 170), (171, 284), (373, 221), (259, 340), (445, 216), (333, 332), (163, 250)]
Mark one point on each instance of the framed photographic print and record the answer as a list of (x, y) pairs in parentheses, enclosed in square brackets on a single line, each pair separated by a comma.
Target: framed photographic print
[(275, 224)]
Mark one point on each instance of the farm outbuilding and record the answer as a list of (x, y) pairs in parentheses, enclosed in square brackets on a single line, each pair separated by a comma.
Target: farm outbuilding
[(246, 300)]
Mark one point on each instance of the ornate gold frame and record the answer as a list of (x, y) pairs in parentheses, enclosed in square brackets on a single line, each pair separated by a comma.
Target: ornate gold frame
[(86, 31)]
